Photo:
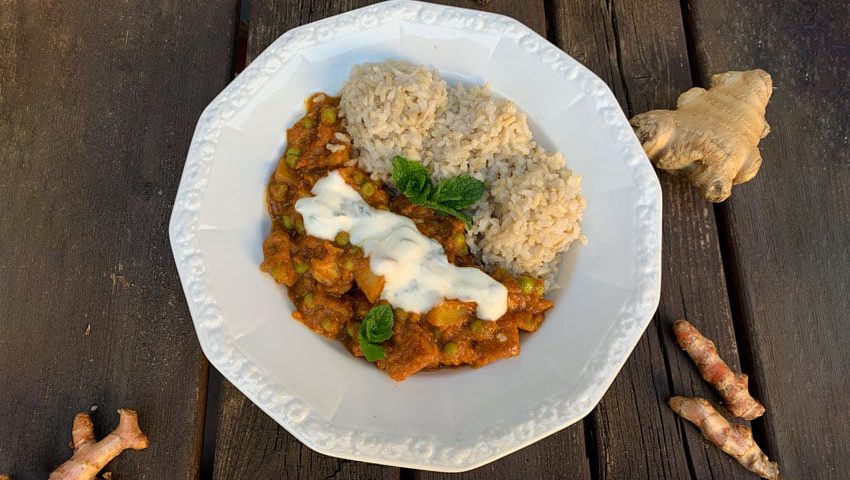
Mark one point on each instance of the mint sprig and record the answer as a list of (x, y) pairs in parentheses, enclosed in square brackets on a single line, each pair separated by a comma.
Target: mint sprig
[(449, 197), (376, 328)]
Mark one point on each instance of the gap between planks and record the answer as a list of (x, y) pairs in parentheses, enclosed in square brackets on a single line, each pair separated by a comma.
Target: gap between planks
[(733, 286)]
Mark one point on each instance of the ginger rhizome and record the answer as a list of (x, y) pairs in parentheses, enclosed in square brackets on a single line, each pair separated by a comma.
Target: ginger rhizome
[(734, 388), (735, 440), (90, 456), (712, 137)]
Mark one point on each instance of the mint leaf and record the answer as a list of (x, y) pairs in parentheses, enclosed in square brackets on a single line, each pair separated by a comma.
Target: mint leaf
[(412, 179), (458, 192), (450, 211), (420, 197), (449, 197), (371, 351), (377, 327)]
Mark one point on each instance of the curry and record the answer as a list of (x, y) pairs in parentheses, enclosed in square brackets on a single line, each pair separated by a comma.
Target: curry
[(330, 282)]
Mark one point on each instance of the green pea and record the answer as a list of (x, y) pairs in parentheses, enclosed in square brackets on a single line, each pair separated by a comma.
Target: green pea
[(342, 238), (309, 300), (301, 267), (367, 190), (295, 151), (450, 349), (278, 191), (292, 160), (287, 222), (459, 240), (477, 327), (327, 324), (359, 178), (526, 285), (352, 329), (348, 263), (328, 116), (307, 122)]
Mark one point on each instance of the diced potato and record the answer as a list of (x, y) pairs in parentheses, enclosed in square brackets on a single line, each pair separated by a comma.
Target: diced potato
[(372, 285), (450, 312)]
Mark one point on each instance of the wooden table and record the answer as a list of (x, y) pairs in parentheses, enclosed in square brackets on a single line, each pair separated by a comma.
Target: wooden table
[(98, 101)]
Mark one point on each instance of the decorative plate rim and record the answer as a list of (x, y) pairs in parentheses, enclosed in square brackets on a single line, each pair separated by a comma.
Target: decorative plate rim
[(513, 433)]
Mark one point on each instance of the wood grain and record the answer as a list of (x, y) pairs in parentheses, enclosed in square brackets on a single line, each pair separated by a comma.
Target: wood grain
[(252, 445), (98, 101), (561, 456), (639, 49), (786, 234)]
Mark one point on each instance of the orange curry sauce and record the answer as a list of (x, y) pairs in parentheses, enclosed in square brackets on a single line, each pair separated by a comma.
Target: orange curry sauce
[(330, 282)]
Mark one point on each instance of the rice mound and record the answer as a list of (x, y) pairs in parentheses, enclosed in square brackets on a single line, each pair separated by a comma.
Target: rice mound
[(532, 206)]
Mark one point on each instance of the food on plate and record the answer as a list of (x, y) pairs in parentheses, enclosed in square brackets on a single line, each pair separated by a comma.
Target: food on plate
[(712, 137), (735, 440), (532, 206), (416, 257), (90, 456), (732, 387)]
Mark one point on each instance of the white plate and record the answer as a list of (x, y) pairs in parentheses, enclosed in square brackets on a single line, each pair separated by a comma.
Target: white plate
[(448, 420)]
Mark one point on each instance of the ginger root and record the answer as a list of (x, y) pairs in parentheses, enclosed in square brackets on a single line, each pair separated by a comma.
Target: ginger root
[(712, 137), (735, 440), (732, 387), (90, 456)]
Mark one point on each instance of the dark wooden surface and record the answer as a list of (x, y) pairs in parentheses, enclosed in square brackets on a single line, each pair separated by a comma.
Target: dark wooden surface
[(98, 101), (97, 104), (787, 235)]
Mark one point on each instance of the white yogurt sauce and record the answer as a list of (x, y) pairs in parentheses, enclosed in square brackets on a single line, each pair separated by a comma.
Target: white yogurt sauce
[(416, 271)]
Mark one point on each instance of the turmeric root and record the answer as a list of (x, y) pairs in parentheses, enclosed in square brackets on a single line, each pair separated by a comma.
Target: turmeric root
[(712, 137), (735, 440), (733, 388), (90, 456)]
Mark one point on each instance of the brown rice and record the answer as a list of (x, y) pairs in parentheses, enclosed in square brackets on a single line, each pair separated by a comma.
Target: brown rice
[(532, 207)]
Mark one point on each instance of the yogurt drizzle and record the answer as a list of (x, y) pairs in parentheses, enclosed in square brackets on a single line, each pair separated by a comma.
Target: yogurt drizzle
[(416, 271)]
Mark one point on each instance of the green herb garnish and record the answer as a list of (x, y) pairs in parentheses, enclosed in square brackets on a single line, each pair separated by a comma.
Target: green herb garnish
[(449, 197), (376, 328)]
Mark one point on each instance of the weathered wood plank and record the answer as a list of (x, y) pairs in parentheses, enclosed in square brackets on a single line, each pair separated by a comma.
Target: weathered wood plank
[(561, 456), (639, 49), (787, 233), (252, 445), (98, 101)]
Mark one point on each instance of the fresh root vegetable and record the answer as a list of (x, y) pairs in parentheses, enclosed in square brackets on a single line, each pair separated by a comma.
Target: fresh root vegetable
[(90, 456), (732, 387), (712, 137), (735, 440)]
